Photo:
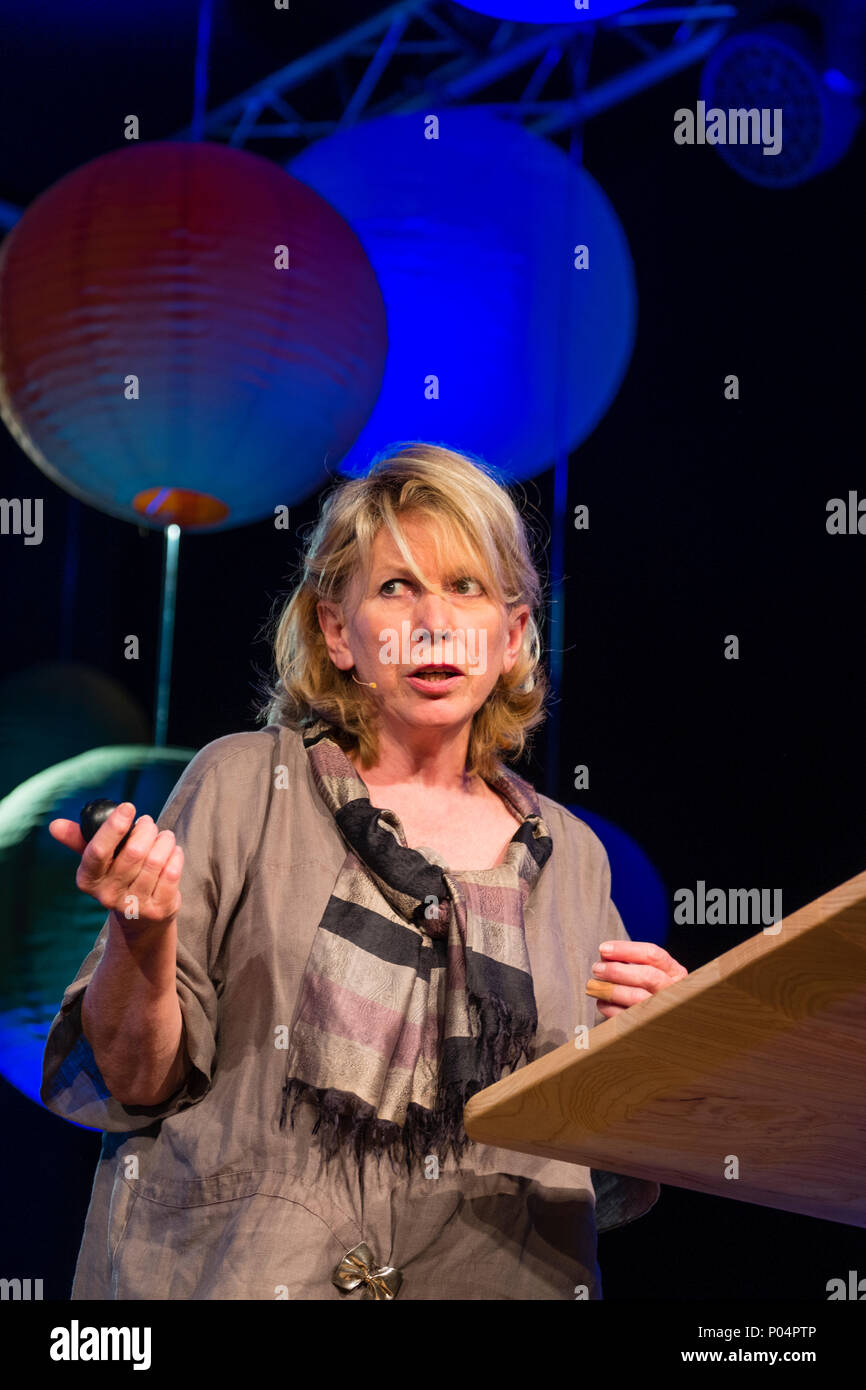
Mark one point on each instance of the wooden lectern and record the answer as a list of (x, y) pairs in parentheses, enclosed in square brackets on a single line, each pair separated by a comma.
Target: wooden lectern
[(746, 1079)]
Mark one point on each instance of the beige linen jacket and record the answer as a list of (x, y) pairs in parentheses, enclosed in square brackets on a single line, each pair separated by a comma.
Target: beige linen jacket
[(205, 1196)]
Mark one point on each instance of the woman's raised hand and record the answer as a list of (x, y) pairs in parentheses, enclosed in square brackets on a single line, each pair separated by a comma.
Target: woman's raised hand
[(142, 884)]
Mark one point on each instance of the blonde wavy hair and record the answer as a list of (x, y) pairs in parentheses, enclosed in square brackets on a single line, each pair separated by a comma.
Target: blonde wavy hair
[(472, 518)]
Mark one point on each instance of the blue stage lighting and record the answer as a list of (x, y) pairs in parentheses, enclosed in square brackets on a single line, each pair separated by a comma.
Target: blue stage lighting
[(776, 69)]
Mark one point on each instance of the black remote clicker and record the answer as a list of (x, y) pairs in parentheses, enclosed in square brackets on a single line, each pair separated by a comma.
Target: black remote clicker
[(92, 817)]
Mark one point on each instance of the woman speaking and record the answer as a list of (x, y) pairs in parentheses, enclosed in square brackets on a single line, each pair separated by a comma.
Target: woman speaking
[(341, 927)]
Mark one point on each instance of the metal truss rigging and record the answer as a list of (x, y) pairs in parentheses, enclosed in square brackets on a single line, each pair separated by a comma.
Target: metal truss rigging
[(450, 65), (419, 54)]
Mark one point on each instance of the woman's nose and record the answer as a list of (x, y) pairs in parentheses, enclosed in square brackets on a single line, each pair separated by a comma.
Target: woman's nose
[(433, 613)]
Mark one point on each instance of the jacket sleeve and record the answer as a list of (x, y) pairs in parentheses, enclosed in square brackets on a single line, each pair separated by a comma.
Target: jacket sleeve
[(214, 811)]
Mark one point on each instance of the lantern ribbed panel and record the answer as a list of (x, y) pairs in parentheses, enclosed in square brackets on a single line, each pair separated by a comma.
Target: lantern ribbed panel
[(158, 261)]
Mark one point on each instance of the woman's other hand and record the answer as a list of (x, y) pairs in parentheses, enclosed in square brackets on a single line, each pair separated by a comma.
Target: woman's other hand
[(635, 970)]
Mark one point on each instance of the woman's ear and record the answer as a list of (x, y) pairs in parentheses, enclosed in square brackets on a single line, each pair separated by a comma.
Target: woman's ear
[(517, 620), (333, 625)]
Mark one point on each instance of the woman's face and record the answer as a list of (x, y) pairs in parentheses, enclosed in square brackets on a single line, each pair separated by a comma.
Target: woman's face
[(390, 629)]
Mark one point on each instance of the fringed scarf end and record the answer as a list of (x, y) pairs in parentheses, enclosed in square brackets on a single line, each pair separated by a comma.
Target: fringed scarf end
[(343, 1118)]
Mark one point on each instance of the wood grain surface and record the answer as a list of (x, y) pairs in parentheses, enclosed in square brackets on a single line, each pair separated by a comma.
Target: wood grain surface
[(746, 1079)]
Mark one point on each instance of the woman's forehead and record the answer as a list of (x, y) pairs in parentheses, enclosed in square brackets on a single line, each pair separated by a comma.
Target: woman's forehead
[(426, 541)]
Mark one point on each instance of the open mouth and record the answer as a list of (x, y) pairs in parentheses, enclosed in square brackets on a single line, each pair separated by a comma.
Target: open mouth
[(435, 674)]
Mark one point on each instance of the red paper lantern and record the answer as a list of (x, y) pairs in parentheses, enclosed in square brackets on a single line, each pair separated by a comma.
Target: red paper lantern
[(163, 359)]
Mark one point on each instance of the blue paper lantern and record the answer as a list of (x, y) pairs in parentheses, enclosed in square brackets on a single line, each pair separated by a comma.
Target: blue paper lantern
[(551, 11), (636, 886), (503, 338)]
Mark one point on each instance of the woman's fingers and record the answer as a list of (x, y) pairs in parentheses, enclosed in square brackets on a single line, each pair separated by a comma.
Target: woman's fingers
[(646, 977), (643, 953), (157, 848), (131, 860), (150, 864), (166, 896), (96, 860), (633, 971), (608, 1010), (141, 883), (625, 996), (68, 832)]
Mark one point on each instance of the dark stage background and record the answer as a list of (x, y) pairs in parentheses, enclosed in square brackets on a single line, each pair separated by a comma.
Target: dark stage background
[(707, 517)]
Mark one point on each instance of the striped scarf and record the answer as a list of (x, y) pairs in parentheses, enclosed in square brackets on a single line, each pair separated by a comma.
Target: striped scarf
[(417, 991)]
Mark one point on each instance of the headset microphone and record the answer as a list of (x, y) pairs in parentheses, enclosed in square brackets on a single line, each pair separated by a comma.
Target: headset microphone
[(372, 684)]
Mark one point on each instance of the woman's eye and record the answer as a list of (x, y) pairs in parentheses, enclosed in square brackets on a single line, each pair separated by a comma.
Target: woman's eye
[(458, 584)]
